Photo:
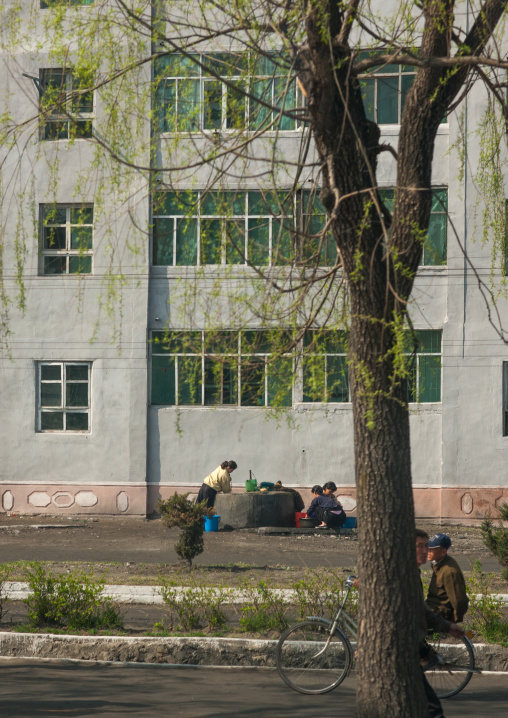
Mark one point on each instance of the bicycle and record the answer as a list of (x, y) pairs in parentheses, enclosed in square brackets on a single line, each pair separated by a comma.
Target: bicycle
[(453, 666), (316, 655)]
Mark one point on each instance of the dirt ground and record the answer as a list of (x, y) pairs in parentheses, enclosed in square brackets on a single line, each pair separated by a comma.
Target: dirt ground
[(137, 551)]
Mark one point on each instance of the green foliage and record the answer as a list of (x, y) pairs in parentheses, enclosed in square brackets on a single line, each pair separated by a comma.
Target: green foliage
[(264, 609), (73, 600), (4, 576), (496, 632), (495, 538), (484, 609), (189, 516), (194, 607), (319, 594)]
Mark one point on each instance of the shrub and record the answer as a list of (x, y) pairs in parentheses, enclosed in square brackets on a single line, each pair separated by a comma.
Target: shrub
[(72, 600), (497, 632), (4, 576), (195, 607), (189, 516), (319, 594), (264, 609), (484, 609), (495, 538)]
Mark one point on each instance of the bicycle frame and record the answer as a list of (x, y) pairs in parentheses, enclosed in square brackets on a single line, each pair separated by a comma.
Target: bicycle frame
[(341, 617)]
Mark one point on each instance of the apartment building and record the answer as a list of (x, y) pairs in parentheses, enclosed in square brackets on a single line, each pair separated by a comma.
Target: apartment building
[(129, 371)]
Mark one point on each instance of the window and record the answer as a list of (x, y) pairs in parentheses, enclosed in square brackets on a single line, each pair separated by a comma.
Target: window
[(319, 245), (504, 254), (222, 228), (325, 371), (424, 384), (64, 396), (66, 239), (223, 91), (66, 106), (505, 398), (435, 245), (384, 90), (227, 368), (212, 228), (56, 3), (256, 368)]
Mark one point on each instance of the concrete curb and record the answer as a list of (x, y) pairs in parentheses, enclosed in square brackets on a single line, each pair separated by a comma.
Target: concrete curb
[(168, 650), (18, 590), (239, 652)]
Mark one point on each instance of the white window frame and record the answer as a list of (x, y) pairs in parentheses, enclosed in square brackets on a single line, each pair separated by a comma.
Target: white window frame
[(62, 407), (66, 117), (68, 252)]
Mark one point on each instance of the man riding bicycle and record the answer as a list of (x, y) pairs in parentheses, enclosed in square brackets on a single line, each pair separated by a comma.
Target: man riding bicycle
[(447, 591)]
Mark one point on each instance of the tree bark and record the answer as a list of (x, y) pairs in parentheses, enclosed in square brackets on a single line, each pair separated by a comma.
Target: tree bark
[(380, 268)]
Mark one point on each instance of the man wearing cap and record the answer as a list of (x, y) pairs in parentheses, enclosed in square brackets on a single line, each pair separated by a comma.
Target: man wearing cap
[(447, 591)]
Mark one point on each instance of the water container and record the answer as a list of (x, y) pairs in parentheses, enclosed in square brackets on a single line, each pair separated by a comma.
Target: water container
[(212, 523), (251, 485)]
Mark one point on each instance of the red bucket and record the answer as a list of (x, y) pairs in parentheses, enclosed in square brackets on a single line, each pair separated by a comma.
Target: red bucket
[(299, 515)]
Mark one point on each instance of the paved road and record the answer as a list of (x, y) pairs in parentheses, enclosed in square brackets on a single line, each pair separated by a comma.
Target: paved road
[(32, 689)]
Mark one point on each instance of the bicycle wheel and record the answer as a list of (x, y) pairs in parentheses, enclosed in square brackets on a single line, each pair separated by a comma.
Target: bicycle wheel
[(309, 660), (453, 671)]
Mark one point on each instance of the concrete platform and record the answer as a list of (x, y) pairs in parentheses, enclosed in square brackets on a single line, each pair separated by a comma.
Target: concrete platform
[(255, 509)]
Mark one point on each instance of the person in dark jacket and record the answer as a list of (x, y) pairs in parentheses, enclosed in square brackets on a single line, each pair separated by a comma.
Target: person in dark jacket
[(428, 620), (325, 509), (447, 591)]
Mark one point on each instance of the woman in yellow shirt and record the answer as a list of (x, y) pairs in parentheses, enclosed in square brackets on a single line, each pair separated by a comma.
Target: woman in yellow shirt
[(218, 480)]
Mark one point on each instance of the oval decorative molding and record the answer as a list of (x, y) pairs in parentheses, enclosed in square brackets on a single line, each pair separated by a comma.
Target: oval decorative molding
[(7, 500), (39, 499), (86, 498), (122, 501), (466, 503), (348, 502), (63, 499)]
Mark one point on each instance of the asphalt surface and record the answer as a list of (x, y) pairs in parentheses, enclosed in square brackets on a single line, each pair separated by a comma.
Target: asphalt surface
[(32, 689)]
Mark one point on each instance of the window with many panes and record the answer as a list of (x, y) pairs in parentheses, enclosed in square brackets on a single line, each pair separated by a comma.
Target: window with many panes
[(66, 239), (64, 396), (223, 91), (424, 357), (55, 3), (228, 368), (435, 245), (505, 398), (504, 254), (261, 228), (66, 105), (384, 90), (247, 369), (325, 372)]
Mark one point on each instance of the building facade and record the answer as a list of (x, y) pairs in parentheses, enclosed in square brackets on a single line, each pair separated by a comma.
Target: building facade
[(124, 376)]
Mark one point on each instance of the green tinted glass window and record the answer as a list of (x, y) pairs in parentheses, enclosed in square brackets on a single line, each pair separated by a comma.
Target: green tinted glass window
[(66, 239), (436, 241), (424, 357), (64, 396), (61, 98), (224, 91), (384, 89)]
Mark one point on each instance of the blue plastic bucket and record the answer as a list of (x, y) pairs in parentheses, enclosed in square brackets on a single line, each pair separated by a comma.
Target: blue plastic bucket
[(212, 523), (350, 523)]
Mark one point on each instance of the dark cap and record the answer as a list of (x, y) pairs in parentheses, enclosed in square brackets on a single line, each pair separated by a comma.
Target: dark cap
[(440, 541)]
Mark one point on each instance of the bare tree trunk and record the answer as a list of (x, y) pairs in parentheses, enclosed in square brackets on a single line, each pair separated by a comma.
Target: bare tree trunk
[(389, 677)]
